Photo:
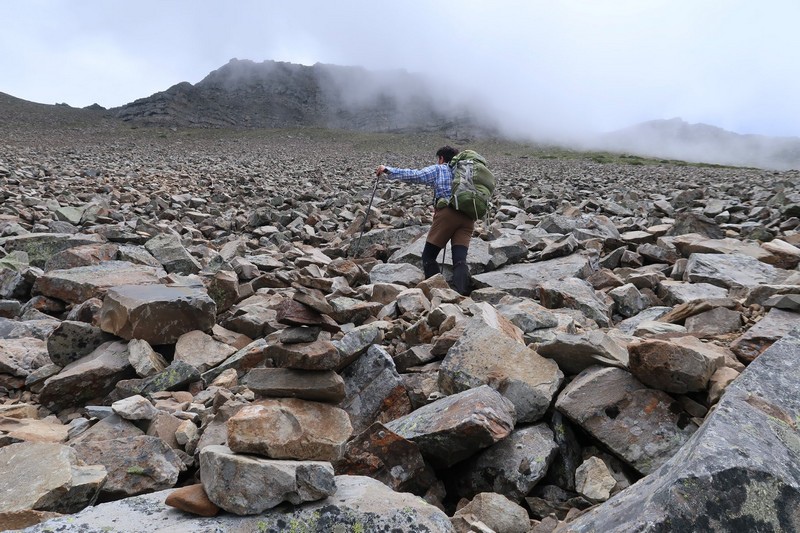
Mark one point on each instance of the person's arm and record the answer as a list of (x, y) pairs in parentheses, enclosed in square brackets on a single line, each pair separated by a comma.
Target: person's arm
[(426, 176)]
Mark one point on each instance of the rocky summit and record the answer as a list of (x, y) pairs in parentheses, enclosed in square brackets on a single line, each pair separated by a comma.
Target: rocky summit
[(221, 329)]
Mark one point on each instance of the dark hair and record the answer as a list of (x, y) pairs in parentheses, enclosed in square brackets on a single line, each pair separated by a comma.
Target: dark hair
[(447, 152)]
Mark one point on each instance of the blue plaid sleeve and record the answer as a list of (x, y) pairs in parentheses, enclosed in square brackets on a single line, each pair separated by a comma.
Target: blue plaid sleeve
[(440, 177)]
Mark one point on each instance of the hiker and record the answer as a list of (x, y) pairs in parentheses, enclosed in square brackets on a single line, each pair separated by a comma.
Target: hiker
[(448, 224)]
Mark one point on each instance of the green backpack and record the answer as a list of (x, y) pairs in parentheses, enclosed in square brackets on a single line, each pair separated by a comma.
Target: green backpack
[(473, 184)]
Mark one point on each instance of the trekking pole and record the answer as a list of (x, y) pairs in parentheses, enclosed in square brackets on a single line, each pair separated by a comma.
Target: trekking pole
[(366, 215), (444, 256)]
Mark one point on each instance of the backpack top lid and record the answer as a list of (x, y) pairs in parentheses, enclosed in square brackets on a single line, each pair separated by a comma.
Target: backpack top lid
[(465, 155)]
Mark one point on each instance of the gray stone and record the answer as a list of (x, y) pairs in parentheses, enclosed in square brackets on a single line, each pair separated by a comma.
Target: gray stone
[(673, 366), (575, 353), (92, 376), (47, 477), (159, 314), (594, 480), (41, 246), (524, 279), (246, 485), (491, 512), (320, 385), (400, 273), (575, 293), (200, 350), (356, 342), (717, 321), (679, 292), (134, 464), (512, 467), (144, 359), (629, 325), (746, 447), (72, 340), (628, 300), (135, 408), (486, 353), (169, 251), (454, 428), (642, 426), (730, 270), (373, 390), (359, 503)]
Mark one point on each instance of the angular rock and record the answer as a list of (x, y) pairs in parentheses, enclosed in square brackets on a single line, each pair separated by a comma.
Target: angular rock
[(491, 512), (293, 313), (629, 301), (159, 314), (454, 428), (400, 273), (33, 430), (717, 321), (135, 464), (593, 480), (79, 284), (673, 367), (644, 427), (134, 408), (734, 472), (175, 377), (72, 340), (246, 358), (290, 428), (319, 355), (144, 359), (485, 354), (320, 385), (386, 456), (679, 292), (46, 477), (512, 467), (360, 503), (192, 499), (575, 353), (169, 251), (246, 485), (730, 270), (89, 254), (356, 341), (762, 335), (92, 376), (201, 350), (373, 390), (20, 357), (524, 279), (577, 294), (42, 246)]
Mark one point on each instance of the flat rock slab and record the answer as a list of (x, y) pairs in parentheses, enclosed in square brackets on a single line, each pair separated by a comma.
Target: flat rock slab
[(737, 472), (71, 340), (42, 246), (92, 376), (46, 477), (20, 357), (731, 270), (77, 285), (159, 314), (360, 503), (640, 425), (675, 367), (769, 329), (454, 428), (524, 279), (201, 350), (319, 385), (576, 353), (135, 464)]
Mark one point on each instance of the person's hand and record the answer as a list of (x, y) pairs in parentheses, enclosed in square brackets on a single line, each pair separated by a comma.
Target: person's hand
[(380, 170)]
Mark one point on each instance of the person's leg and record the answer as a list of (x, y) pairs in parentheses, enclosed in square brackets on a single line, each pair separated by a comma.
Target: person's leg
[(460, 269), (429, 255)]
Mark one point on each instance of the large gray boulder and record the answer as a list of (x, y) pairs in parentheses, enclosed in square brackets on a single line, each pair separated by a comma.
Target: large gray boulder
[(360, 503), (738, 472), (524, 279), (644, 427)]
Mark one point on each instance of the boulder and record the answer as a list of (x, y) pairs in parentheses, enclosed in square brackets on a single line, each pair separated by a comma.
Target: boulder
[(315, 385), (491, 512), (71, 340), (247, 485), (169, 251), (730, 270), (644, 427), (577, 294), (20, 357), (524, 279), (454, 428), (290, 428), (575, 353), (200, 350), (675, 367), (735, 473), (762, 335), (79, 284), (46, 477), (159, 314)]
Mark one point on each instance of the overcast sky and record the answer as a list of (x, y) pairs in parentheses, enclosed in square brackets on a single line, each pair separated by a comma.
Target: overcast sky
[(594, 65)]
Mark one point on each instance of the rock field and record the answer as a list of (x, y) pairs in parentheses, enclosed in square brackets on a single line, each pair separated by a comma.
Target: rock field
[(194, 336)]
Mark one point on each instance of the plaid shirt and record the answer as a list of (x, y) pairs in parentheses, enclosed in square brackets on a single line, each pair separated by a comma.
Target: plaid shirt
[(440, 177)]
